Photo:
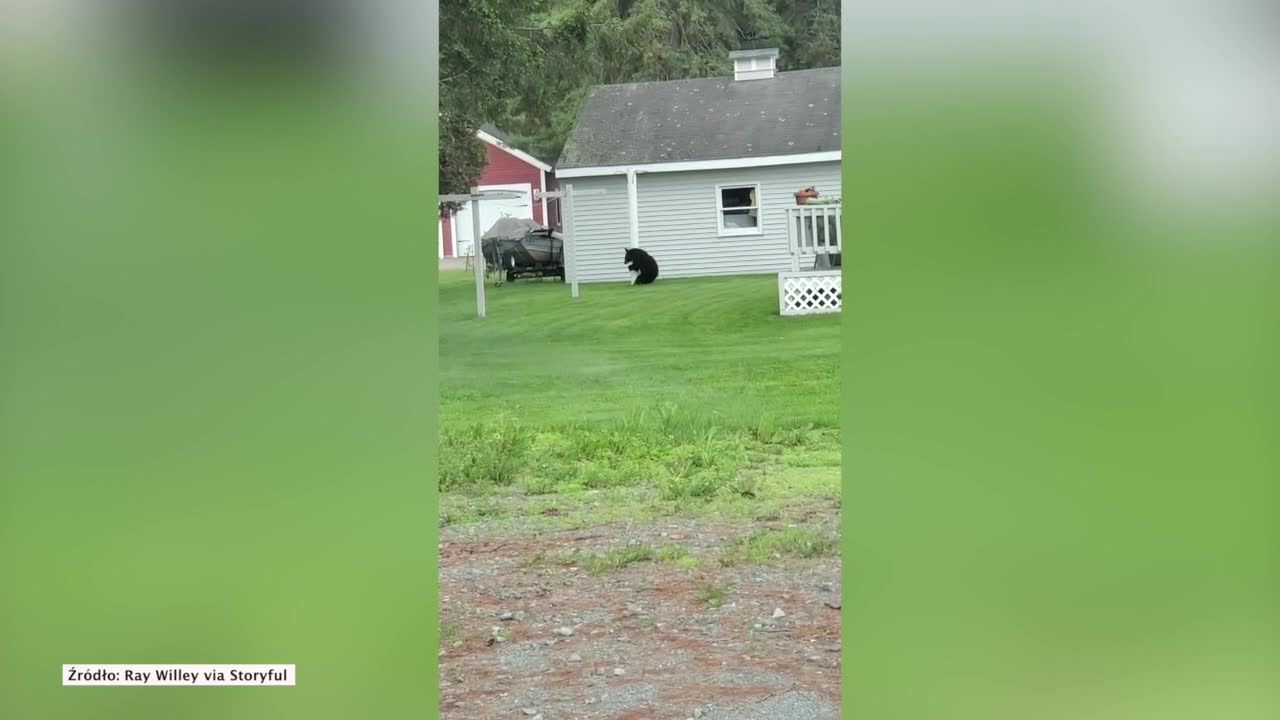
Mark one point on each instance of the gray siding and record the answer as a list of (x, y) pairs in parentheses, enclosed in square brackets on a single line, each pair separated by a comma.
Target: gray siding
[(602, 227), (678, 223)]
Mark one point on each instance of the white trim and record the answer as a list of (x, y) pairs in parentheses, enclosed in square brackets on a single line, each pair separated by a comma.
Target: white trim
[(524, 188), (729, 164), (440, 237), (542, 185), (721, 231), (633, 202), (755, 67), (570, 238), (526, 157)]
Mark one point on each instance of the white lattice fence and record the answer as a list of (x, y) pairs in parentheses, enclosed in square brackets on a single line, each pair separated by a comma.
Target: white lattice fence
[(809, 293)]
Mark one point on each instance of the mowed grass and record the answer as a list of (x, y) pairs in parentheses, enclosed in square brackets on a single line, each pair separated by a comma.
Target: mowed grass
[(662, 397), (716, 345)]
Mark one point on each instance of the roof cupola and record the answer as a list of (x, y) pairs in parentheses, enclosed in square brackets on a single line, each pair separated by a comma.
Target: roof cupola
[(758, 64)]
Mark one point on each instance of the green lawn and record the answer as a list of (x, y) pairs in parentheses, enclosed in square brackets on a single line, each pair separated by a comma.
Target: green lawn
[(666, 398), (715, 346)]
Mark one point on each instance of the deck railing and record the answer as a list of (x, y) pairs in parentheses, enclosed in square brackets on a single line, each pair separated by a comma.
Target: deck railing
[(813, 230)]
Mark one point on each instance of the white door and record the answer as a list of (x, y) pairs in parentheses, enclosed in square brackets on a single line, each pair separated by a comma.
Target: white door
[(491, 211)]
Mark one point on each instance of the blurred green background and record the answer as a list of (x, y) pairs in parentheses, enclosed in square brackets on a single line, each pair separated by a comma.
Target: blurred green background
[(218, 395), (217, 425), (1059, 418)]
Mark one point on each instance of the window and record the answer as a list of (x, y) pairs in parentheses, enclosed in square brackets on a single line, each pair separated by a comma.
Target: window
[(754, 63), (738, 209)]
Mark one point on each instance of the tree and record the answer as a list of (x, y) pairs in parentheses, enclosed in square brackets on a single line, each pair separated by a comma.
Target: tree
[(483, 46), (526, 65), (581, 43)]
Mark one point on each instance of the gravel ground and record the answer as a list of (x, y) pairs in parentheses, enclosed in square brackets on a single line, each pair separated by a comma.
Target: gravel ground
[(522, 639)]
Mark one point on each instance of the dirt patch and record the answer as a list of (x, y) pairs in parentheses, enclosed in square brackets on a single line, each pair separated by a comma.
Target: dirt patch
[(648, 641)]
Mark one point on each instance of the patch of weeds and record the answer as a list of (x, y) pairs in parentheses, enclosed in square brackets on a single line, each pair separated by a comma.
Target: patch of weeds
[(747, 484), (771, 545), (595, 457), (538, 485), (767, 513), (636, 421), (670, 421), (623, 441), (711, 595), (672, 553), (684, 427), (464, 509), (798, 435), (661, 460), (452, 516), (812, 457), (687, 484), (589, 444), (538, 560), (709, 451), (765, 430), (700, 469), (483, 454), (547, 509), (806, 482), (606, 512), (612, 497), (615, 559), (622, 472), (688, 562), (449, 632)]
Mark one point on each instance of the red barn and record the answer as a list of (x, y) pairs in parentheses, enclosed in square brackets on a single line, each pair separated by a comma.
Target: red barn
[(509, 168)]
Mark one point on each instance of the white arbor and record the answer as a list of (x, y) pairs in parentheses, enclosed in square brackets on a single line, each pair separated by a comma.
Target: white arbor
[(476, 196)]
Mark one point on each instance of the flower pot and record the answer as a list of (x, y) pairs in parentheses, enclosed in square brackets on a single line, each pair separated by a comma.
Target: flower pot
[(805, 195)]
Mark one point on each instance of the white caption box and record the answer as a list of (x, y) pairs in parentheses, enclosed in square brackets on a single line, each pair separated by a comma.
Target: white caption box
[(183, 675)]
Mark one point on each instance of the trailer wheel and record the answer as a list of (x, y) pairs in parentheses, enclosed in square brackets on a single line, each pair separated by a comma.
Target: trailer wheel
[(511, 276)]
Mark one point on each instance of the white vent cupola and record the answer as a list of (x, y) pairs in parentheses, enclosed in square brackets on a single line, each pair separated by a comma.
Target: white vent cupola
[(754, 64)]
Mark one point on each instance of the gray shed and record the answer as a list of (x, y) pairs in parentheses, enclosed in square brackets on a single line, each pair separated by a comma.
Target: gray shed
[(703, 173)]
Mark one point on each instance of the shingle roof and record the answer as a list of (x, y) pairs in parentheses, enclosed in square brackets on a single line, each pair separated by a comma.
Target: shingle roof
[(706, 119), (502, 135), (497, 132)]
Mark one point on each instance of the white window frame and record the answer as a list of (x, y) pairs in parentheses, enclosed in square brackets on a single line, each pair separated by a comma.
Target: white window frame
[(721, 230)]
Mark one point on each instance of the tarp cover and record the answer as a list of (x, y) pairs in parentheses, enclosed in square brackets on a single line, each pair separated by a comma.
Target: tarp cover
[(509, 228)]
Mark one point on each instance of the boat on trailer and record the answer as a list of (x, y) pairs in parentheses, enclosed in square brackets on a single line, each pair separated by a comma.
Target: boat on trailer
[(521, 248)]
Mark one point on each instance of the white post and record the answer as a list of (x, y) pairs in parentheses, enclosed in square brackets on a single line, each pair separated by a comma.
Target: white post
[(477, 253), (570, 242), (477, 256), (633, 201), (813, 233), (797, 246), (840, 217)]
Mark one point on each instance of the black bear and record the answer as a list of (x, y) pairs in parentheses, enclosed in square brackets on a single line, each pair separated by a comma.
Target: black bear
[(644, 269)]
